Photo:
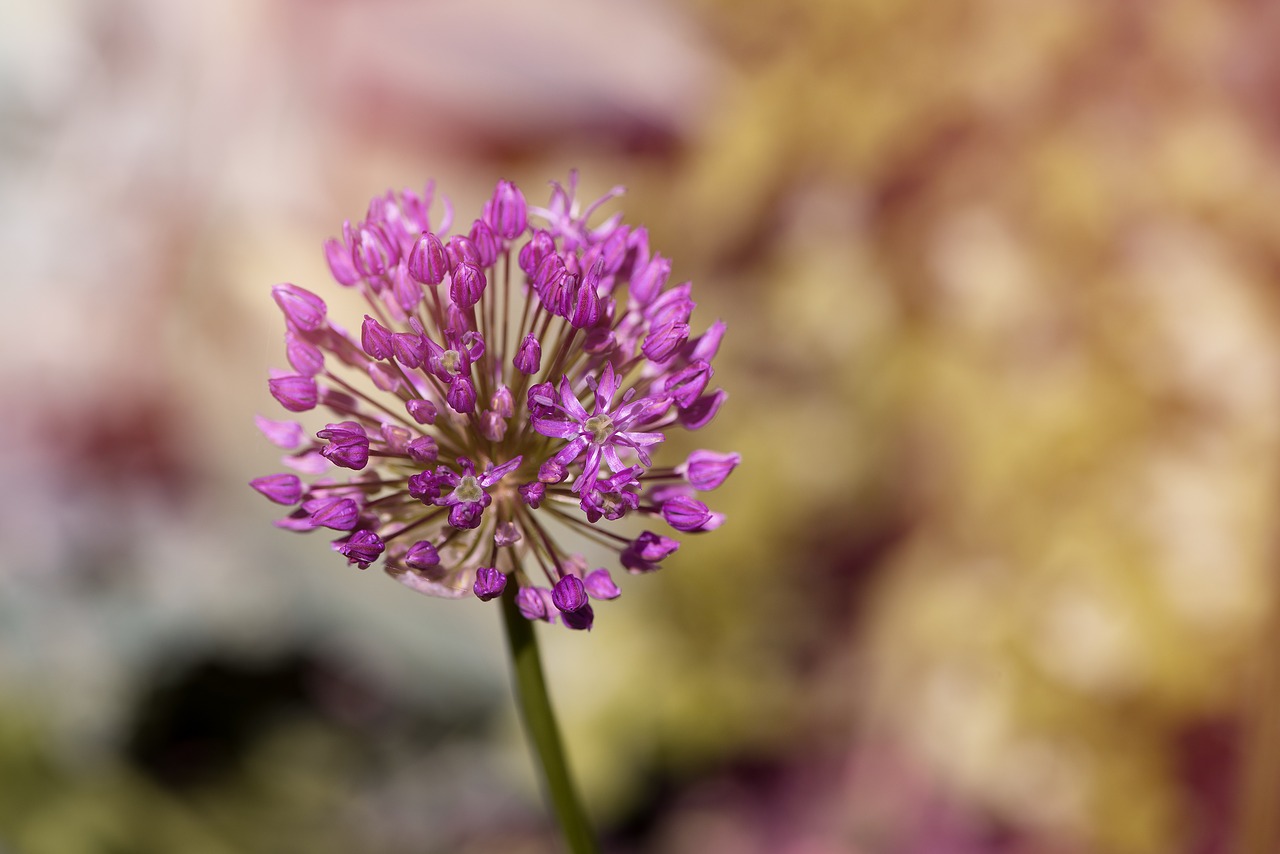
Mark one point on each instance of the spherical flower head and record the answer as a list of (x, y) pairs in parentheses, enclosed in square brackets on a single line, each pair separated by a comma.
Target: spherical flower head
[(455, 451)]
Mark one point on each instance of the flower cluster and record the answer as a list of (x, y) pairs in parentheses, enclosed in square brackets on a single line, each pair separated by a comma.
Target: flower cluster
[(510, 382)]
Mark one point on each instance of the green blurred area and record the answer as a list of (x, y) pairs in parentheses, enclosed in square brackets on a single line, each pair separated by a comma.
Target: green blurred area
[(1003, 370)]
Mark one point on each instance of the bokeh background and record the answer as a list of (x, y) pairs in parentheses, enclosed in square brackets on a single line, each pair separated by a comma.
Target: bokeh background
[(1003, 363)]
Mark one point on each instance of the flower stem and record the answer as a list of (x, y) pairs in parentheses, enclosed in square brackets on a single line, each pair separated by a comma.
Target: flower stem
[(540, 726)]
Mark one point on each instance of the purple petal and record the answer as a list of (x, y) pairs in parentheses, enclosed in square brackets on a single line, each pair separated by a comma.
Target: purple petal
[(496, 474), (703, 410), (570, 402)]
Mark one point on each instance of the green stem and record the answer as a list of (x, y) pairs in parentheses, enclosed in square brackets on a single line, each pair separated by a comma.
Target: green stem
[(540, 726)]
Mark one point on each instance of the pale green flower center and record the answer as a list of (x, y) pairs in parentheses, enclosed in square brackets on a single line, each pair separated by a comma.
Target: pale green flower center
[(468, 489), (600, 427), (450, 361)]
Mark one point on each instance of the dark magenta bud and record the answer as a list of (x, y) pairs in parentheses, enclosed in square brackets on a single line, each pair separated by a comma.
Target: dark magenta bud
[(569, 594), (422, 555), (529, 357), (507, 211), (375, 339), (489, 583), (361, 548), (467, 285), (427, 261)]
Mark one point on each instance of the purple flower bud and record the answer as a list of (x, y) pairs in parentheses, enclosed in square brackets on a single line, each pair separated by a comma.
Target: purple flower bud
[(599, 340), (375, 339), (599, 585), (614, 250), (585, 311), (298, 521), (485, 243), (341, 514), (649, 281), (339, 257), (706, 470), (422, 555), (423, 449), (424, 486), (294, 393), (643, 554), (462, 395), (531, 603), (382, 378), (409, 348), (541, 400), (532, 493), (569, 594), (422, 411), (467, 285), (280, 488), (550, 271), (502, 402), (552, 471), (529, 357), (305, 357), (506, 534), (361, 548), (489, 584), (427, 261), (373, 251), (581, 619), (559, 295), (348, 445), (460, 250), (406, 289), (395, 437), (685, 385), (492, 426), (706, 345), (699, 415), (507, 210), (685, 514), (302, 309), (337, 400), (662, 342), (466, 515), (532, 253), (672, 305)]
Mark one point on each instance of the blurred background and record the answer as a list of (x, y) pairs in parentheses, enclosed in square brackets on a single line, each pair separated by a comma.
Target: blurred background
[(1004, 369)]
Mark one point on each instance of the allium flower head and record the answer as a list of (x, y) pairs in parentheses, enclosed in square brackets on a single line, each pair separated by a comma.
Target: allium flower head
[(510, 384)]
